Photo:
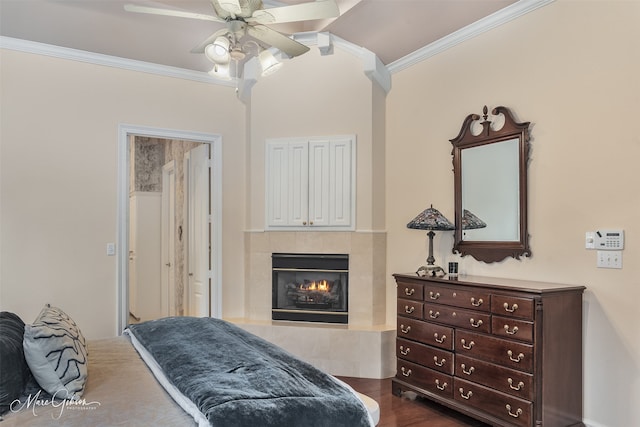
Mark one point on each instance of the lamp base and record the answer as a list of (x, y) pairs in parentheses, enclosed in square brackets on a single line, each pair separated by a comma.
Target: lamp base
[(430, 270)]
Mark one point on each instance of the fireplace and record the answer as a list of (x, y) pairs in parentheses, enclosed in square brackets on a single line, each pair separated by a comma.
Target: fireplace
[(310, 287)]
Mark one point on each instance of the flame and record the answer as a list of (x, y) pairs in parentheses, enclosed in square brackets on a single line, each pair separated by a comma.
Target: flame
[(321, 285)]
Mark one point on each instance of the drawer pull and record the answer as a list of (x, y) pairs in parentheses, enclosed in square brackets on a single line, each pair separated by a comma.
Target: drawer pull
[(463, 395), (476, 303), (434, 296), (512, 331), (440, 387), (439, 340), (405, 330), (519, 387), (475, 324), (405, 351), (471, 344), (517, 359), (511, 309), (467, 371), (434, 315), (409, 292), (440, 363), (406, 372), (517, 414), (408, 309)]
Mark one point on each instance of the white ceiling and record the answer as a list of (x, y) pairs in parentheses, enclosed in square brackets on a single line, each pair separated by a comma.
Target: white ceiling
[(392, 29)]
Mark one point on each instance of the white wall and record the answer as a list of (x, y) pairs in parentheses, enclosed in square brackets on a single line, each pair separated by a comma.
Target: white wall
[(58, 173), (571, 68)]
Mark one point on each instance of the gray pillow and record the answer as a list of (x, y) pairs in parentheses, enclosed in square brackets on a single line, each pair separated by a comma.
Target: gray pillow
[(56, 353)]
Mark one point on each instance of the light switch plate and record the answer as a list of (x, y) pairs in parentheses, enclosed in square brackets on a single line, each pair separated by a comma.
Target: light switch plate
[(590, 240), (111, 249), (609, 259)]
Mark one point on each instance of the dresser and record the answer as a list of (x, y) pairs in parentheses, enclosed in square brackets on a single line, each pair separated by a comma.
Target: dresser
[(505, 352)]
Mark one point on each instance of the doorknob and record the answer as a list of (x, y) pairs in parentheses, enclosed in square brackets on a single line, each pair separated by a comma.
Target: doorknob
[(168, 264)]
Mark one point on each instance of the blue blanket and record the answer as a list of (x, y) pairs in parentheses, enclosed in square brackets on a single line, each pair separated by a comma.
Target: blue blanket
[(237, 379)]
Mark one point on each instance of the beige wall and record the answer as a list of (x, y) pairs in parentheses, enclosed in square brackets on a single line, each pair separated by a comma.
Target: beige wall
[(571, 68), (59, 137)]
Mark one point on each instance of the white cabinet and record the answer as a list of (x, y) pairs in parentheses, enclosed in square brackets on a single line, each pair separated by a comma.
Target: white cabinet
[(311, 183)]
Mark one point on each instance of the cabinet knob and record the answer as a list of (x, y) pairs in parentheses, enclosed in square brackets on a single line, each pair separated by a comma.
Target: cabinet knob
[(474, 323), (439, 339), (467, 371), (516, 359), (477, 303), (517, 387), (511, 309), (516, 414), (463, 395), (510, 331), (470, 345)]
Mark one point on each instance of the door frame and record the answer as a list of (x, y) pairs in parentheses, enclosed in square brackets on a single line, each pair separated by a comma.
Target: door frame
[(126, 133)]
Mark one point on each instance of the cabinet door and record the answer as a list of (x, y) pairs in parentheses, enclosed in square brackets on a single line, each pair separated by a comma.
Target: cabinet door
[(287, 183), (341, 182), (319, 182), (298, 209)]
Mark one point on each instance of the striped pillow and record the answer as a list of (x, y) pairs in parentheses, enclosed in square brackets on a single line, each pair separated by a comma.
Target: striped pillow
[(56, 353)]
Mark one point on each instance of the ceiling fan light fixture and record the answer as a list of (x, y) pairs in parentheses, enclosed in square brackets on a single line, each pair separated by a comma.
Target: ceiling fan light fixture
[(268, 62), (218, 51), (221, 71)]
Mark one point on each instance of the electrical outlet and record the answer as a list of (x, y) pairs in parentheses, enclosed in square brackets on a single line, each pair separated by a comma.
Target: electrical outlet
[(609, 259)]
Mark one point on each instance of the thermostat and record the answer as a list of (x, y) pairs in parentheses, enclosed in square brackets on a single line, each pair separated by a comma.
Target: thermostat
[(605, 239)]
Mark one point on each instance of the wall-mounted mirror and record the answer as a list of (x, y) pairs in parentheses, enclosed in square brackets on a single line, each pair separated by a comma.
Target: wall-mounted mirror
[(490, 174)]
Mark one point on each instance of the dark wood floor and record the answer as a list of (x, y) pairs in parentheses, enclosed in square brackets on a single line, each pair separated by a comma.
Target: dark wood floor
[(403, 412)]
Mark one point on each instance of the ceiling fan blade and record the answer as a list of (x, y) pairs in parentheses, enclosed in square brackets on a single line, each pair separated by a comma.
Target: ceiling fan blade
[(273, 38), (170, 12), (231, 6), (200, 48), (320, 9)]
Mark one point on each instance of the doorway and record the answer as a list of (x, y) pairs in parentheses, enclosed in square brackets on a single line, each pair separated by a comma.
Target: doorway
[(174, 303)]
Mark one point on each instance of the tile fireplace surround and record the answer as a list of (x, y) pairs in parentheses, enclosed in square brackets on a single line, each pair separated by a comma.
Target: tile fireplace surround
[(363, 348)]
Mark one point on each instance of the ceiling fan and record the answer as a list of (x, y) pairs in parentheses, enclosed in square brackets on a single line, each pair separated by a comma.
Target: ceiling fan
[(246, 32)]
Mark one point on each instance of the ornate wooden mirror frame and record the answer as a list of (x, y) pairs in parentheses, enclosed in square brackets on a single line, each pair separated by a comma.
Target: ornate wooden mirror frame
[(515, 137)]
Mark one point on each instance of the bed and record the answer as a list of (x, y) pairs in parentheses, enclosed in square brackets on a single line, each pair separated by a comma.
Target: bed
[(178, 371)]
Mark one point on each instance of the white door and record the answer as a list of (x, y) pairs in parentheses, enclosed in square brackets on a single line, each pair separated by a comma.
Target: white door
[(198, 233), (168, 252)]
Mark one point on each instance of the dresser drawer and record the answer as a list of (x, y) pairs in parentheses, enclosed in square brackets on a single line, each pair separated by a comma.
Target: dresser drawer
[(500, 405), (513, 306), (431, 357), (458, 297), (410, 308), (512, 328), (510, 381), (428, 379), (427, 333), (410, 290), (459, 317), (503, 352)]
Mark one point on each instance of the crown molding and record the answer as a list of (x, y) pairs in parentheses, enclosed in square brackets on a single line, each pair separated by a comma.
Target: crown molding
[(372, 65), (494, 20), (108, 61)]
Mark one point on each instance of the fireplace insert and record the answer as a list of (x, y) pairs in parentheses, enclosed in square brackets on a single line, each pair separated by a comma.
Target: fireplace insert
[(310, 287)]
